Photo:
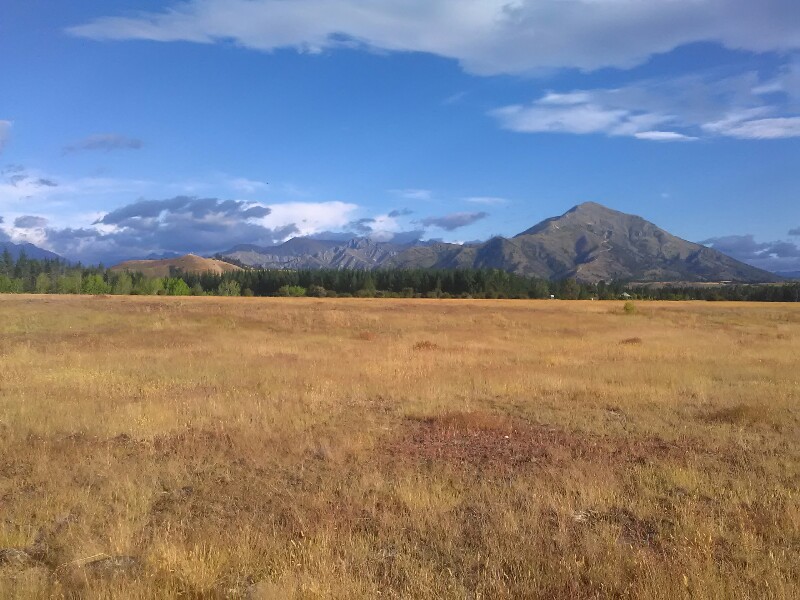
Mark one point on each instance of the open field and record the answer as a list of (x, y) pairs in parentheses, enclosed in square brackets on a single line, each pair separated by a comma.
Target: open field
[(266, 448)]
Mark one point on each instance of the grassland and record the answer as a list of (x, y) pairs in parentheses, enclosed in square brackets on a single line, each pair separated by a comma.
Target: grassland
[(266, 448)]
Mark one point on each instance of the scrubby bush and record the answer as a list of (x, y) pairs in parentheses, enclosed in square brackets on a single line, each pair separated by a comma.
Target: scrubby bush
[(629, 308), (293, 291), (175, 286), (95, 285), (123, 285), (229, 288)]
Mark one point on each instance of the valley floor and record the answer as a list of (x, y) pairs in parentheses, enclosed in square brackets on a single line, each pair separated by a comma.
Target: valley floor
[(302, 448)]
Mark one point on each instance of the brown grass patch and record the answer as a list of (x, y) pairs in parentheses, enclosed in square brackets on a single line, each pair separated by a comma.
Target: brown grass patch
[(223, 447), (738, 414), (499, 443), (631, 341)]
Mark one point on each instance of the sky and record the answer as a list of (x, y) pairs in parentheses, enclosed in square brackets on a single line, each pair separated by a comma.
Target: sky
[(136, 128)]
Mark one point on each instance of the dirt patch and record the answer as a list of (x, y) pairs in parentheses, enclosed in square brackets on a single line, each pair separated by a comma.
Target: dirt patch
[(489, 441)]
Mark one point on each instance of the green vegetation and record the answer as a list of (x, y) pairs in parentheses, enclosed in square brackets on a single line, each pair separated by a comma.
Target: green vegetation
[(26, 275)]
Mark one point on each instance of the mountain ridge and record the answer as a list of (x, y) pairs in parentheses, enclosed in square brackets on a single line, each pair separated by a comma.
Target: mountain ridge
[(589, 242), (30, 250)]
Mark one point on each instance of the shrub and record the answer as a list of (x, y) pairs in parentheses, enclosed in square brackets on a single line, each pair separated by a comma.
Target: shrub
[(629, 308), (43, 284), (96, 285), (316, 291), (175, 286), (293, 291), (229, 288), (123, 284)]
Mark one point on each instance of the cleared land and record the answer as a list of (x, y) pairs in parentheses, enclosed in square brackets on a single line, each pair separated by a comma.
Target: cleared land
[(232, 447)]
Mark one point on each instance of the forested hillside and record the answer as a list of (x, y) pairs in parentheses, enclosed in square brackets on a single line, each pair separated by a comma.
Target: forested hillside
[(26, 275)]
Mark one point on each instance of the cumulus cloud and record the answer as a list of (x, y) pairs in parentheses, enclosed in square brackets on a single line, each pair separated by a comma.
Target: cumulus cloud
[(310, 217), (454, 221), (670, 110), (772, 256), (485, 36), (5, 130), (105, 142), (383, 228), (181, 224), (143, 214), (30, 222)]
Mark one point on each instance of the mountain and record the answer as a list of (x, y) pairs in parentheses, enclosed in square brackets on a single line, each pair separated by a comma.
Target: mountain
[(592, 243), (308, 253), (589, 242), (30, 250), (188, 264)]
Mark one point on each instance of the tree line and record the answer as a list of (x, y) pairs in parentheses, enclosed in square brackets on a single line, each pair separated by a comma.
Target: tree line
[(45, 276)]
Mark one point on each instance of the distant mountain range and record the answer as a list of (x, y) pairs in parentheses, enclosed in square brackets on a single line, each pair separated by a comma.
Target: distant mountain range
[(589, 242), (30, 251)]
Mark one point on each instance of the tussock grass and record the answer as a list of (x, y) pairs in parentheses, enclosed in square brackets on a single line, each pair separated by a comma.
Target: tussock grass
[(348, 448)]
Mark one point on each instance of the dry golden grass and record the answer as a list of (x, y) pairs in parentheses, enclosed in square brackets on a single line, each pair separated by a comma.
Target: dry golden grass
[(301, 448)]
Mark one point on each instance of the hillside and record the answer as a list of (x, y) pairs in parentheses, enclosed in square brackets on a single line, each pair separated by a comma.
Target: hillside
[(188, 264)]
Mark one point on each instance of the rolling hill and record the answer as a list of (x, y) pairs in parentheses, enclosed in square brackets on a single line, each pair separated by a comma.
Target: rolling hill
[(164, 267)]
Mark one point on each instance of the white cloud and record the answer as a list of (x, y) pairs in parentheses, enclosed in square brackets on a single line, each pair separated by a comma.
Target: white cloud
[(762, 129), (663, 136), (485, 36), (671, 110), (309, 217)]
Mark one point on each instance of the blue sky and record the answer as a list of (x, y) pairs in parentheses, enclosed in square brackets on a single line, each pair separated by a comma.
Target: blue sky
[(135, 127)]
